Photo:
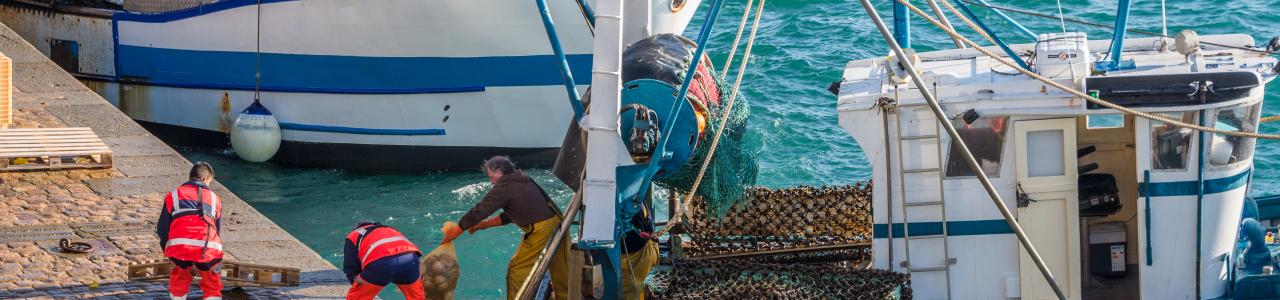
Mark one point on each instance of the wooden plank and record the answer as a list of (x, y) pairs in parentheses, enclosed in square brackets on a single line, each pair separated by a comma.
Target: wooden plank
[(30, 167), (12, 133), (235, 273), (7, 141), (51, 128), (16, 139), (51, 144), (35, 152), (30, 148), (59, 130), (48, 135), (4, 134), (37, 148), (47, 148), (43, 154)]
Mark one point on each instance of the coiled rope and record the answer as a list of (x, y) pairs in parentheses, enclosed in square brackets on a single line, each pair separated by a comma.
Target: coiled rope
[(1092, 99), (678, 216)]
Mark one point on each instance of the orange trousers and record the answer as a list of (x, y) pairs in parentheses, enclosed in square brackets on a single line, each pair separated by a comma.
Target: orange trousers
[(210, 278), (361, 290)]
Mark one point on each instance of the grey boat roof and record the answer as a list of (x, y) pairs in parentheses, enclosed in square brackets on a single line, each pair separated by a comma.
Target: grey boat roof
[(971, 79)]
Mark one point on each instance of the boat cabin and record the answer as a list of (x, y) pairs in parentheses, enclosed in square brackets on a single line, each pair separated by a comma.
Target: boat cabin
[(1119, 207)]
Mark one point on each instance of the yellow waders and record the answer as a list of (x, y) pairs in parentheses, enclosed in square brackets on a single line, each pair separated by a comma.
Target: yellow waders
[(536, 237), (639, 262)]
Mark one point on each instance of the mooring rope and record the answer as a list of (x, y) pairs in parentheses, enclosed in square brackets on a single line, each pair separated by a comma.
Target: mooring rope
[(1095, 100), (1063, 22), (1083, 22), (966, 21), (746, 11), (678, 216), (257, 55)]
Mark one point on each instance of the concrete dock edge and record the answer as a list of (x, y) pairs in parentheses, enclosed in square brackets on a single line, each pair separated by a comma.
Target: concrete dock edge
[(37, 207)]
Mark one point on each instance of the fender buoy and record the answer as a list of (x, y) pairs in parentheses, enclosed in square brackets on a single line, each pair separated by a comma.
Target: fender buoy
[(255, 135)]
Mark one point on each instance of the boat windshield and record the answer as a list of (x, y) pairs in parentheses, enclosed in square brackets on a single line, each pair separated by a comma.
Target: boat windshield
[(985, 138), (1171, 144), (1225, 149)]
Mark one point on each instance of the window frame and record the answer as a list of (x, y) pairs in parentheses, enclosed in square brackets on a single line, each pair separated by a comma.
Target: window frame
[(1255, 111), (1191, 146), (1004, 138)]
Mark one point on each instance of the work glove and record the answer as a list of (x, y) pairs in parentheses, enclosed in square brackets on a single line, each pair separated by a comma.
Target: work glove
[(451, 231), (486, 224)]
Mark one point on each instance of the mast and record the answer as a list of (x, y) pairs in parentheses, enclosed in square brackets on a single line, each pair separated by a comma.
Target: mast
[(600, 186)]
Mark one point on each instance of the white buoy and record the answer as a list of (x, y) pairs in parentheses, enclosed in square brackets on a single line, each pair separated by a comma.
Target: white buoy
[(255, 136)]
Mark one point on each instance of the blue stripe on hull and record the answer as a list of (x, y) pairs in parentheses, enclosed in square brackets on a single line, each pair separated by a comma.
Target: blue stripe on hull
[(954, 228), (1188, 188), (356, 130), (341, 74), (986, 227)]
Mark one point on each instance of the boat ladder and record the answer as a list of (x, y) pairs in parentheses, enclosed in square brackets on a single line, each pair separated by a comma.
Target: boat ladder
[(928, 259)]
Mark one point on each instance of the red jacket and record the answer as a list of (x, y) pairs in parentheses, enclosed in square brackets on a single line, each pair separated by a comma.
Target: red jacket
[(190, 222), (370, 242)]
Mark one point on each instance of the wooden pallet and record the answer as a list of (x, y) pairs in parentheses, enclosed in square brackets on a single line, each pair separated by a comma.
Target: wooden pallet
[(52, 149), (233, 274), (6, 91)]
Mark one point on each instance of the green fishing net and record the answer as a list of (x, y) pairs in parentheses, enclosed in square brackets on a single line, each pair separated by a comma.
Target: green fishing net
[(733, 168)]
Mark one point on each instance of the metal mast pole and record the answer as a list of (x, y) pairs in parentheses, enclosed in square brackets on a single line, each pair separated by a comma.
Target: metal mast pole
[(933, 4), (599, 187), (964, 149)]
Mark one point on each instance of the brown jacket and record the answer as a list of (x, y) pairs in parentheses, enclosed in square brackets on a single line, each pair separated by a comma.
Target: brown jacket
[(521, 200)]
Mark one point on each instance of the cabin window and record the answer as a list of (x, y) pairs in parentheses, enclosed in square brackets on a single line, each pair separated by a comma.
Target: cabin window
[(1046, 144), (1104, 121), (985, 138), (1225, 149), (1171, 144)]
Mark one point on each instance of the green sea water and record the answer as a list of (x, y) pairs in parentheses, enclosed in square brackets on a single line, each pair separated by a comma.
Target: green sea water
[(802, 47)]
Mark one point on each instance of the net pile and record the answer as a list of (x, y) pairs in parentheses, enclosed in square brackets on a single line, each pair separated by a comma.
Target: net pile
[(782, 219), (727, 279), (733, 168), (794, 243), (666, 57)]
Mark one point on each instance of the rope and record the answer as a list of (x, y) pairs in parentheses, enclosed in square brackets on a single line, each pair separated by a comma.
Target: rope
[(257, 55), (1083, 22), (1269, 119), (678, 216), (966, 21), (1062, 19), (742, 24), (1077, 93)]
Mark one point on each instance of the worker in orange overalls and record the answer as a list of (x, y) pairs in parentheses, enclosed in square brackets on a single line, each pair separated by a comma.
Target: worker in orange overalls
[(188, 230), (376, 255)]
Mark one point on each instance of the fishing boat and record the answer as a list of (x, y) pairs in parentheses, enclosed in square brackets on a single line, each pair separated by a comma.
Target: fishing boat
[(385, 85), (1124, 164)]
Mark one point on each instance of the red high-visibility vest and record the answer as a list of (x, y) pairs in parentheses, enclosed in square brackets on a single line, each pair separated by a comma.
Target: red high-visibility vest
[(378, 241), (193, 232)]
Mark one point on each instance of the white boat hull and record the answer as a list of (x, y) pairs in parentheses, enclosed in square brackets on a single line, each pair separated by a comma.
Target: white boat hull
[(469, 78)]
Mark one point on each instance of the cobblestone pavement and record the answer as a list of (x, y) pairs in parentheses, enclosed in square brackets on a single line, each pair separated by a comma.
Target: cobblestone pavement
[(113, 209)]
